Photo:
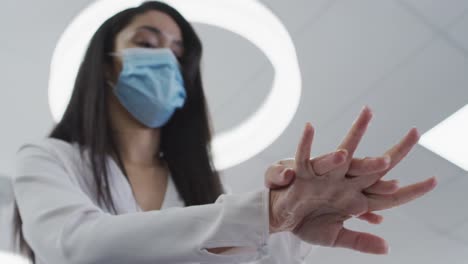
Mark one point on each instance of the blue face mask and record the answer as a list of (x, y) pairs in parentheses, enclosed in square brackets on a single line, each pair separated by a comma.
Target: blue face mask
[(150, 85)]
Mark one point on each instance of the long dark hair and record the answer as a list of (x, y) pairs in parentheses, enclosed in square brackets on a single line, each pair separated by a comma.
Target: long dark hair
[(185, 139)]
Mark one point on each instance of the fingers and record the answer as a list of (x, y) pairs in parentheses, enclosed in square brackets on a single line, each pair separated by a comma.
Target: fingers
[(371, 218), (278, 176), (328, 162), (402, 196), (363, 242), (356, 132), (383, 187), (400, 150), (396, 154), (369, 166), (304, 147), (290, 163)]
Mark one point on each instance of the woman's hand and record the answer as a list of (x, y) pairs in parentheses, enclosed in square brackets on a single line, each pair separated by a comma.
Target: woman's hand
[(317, 203), (315, 206), (276, 177)]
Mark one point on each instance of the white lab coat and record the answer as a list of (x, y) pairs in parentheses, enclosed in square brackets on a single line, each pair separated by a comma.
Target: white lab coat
[(64, 224)]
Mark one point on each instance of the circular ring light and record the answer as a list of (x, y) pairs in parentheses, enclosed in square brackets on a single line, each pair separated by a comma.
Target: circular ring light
[(248, 18)]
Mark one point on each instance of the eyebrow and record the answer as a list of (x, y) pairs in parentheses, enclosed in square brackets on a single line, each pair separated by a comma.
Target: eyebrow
[(157, 31)]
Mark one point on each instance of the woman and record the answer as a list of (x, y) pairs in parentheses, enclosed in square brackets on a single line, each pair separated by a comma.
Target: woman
[(133, 142)]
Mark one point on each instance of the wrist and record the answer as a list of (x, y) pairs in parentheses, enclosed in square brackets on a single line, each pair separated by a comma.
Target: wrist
[(274, 222)]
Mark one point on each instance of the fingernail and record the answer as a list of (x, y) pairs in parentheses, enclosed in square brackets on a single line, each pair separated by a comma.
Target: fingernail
[(340, 156), (288, 173), (344, 151), (367, 108)]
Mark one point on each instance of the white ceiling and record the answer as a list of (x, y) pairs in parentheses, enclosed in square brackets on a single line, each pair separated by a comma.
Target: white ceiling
[(407, 59)]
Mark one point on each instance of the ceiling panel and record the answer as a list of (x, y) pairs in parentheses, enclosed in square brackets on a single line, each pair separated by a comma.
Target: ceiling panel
[(345, 54), (32, 28), (422, 93), (440, 210), (30, 32), (297, 15), (458, 31), (352, 47), (237, 76), (421, 164), (461, 232), (6, 208), (440, 13), (410, 242), (230, 62), (247, 176), (242, 104)]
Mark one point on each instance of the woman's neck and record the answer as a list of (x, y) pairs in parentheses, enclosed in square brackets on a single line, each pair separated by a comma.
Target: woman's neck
[(138, 145)]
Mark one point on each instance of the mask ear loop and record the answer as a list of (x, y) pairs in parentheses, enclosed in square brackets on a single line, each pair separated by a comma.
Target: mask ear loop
[(111, 84), (115, 54)]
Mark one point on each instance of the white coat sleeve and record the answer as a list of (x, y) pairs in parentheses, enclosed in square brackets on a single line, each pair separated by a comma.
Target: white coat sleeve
[(62, 225), (283, 247)]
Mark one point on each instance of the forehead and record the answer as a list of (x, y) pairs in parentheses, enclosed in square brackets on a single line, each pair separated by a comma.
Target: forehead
[(157, 19)]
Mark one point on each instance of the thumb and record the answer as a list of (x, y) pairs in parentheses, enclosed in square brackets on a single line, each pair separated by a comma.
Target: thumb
[(279, 176)]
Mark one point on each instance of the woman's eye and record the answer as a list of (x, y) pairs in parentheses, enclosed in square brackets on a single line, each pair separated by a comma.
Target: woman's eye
[(144, 44)]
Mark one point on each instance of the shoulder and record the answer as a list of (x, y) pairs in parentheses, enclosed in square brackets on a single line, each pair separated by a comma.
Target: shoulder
[(50, 145), (55, 163), (48, 152)]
